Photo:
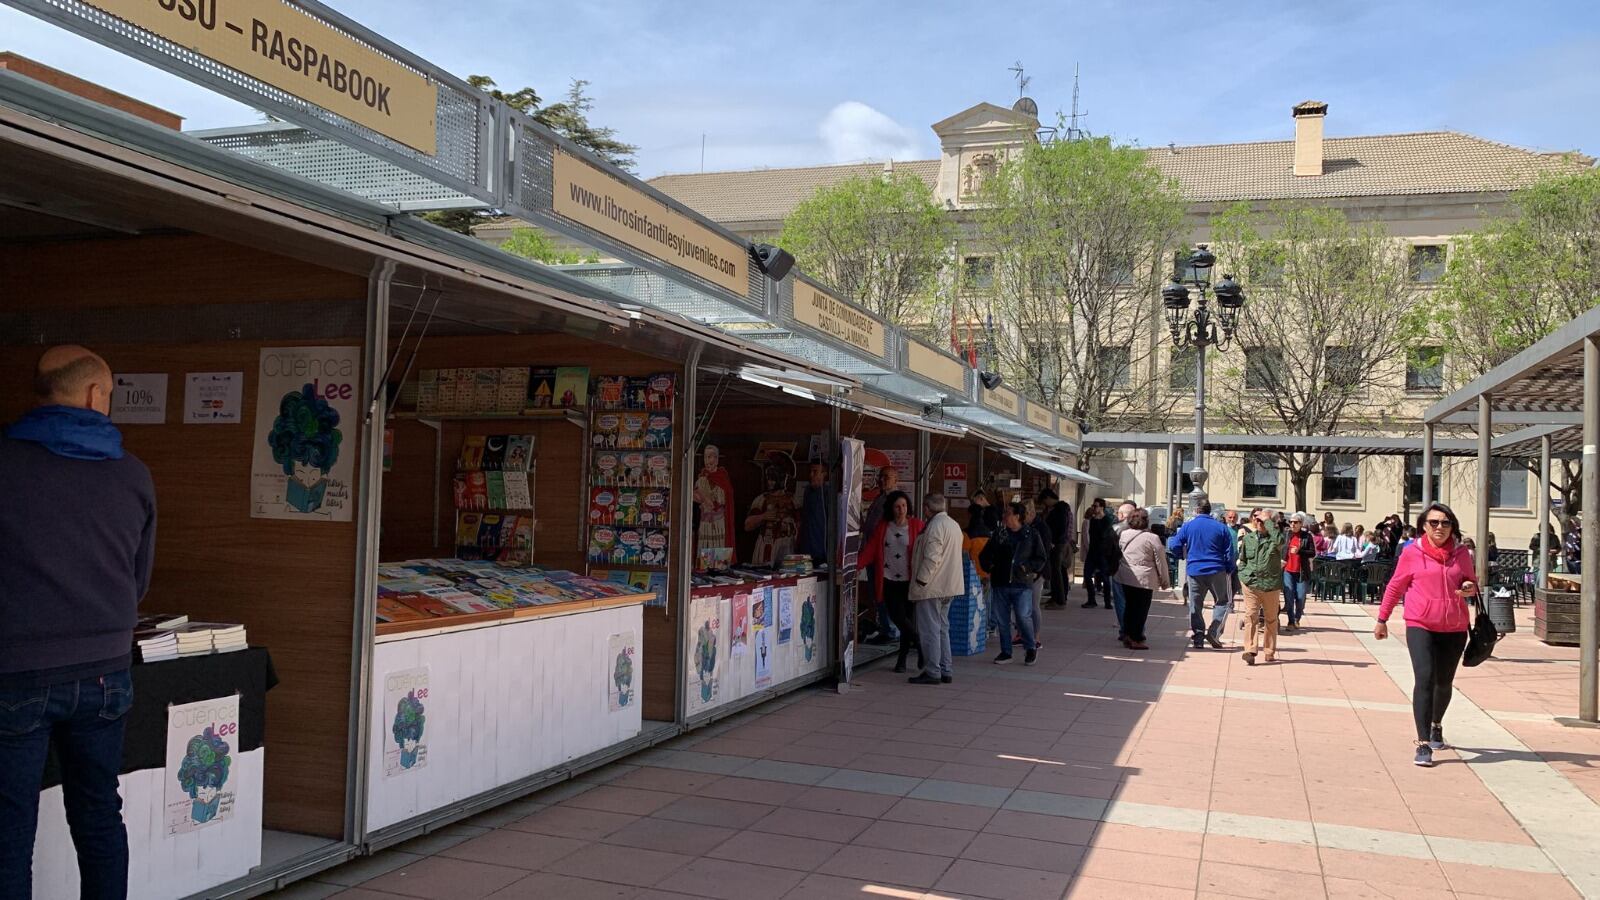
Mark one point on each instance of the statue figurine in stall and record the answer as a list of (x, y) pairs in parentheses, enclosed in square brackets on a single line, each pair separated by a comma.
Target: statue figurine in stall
[(713, 492), (772, 514)]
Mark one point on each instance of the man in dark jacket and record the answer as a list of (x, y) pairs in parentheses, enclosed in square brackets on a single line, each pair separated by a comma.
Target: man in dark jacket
[(1014, 558), (78, 527), (1058, 519)]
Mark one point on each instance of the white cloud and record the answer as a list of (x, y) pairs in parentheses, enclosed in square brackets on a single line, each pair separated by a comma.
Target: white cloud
[(854, 131)]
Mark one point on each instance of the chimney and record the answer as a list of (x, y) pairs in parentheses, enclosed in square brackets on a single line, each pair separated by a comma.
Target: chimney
[(1308, 118)]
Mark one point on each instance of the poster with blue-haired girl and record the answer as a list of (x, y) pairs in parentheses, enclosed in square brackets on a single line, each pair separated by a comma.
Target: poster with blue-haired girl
[(202, 743), (307, 414)]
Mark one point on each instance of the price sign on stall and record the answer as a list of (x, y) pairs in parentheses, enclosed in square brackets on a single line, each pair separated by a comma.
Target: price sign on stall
[(139, 399), (955, 479)]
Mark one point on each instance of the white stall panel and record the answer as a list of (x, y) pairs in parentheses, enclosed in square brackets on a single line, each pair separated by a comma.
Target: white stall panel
[(504, 702)]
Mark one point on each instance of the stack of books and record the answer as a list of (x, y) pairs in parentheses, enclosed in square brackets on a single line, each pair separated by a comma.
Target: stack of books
[(155, 644), (226, 638)]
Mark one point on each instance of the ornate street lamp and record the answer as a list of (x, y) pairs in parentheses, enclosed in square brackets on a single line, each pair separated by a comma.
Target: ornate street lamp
[(1196, 326)]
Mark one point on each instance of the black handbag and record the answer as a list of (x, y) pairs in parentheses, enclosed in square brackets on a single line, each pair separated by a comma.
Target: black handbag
[(1482, 638)]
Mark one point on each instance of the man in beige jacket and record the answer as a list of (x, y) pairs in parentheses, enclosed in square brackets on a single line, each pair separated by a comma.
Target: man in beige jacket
[(936, 579)]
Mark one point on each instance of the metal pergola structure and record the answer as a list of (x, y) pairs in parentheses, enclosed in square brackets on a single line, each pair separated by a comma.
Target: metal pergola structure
[(1554, 387)]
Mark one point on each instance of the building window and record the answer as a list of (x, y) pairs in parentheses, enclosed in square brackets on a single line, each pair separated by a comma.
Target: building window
[(1341, 477), (1045, 358), (1508, 485), (1427, 263), (978, 272), (1113, 366), (1117, 269), (1425, 369), (1343, 366), (1263, 368), (1260, 476), (1180, 370), (1181, 269), (1414, 478)]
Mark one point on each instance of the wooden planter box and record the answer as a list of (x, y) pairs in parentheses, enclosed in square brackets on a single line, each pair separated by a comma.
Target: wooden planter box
[(1555, 616)]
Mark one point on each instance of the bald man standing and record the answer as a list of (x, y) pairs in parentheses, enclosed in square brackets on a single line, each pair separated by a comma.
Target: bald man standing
[(77, 542)]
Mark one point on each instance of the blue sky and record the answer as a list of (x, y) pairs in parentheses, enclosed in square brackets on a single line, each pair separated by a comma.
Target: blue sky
[(824, 81)]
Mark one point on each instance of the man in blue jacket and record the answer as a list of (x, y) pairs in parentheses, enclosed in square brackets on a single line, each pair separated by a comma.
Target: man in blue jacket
[(78, 529), (1208, 547)]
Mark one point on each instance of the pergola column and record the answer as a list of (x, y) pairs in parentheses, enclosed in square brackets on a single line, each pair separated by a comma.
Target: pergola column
[(1485, 460), (1589, 633), (1543, 565), (1427, 466)]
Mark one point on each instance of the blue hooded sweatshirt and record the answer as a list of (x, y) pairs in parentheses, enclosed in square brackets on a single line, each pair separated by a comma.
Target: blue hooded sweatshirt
[(77, 543)]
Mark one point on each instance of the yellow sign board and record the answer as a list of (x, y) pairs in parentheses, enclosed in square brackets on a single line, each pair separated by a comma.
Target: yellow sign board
[(1068, 429), (1004, 400), (276, 43), (1039, 417), (592, 198), (936, 367), (832, 316)]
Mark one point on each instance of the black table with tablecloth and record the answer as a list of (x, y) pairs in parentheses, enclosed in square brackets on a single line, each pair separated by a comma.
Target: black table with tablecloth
[(158, 685)]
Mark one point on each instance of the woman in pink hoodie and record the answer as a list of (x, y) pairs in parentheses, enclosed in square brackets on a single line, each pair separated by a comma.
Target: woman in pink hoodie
[(1434, 576)]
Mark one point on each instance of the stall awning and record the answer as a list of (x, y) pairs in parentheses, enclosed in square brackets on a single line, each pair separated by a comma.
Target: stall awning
[(1057, 468)]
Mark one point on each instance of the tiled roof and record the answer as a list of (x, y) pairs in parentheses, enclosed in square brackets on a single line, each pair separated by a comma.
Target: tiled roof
[(763, 194), (1429, 162)]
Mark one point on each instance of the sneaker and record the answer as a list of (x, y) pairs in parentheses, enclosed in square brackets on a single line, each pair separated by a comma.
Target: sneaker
[(1031, 658), (1138, 645), (923, 679), (1436, 738), (1214, 641), (1424, 757), (945, 679), (1249, 658), (1090, 605), (1038, 644), (1003, 659), (1199, 643)]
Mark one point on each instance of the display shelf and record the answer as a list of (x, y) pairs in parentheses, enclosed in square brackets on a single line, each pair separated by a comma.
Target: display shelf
[(445, 624)]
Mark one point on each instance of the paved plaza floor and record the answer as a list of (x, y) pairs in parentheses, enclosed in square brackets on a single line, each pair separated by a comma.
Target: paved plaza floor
[(1099, 772)]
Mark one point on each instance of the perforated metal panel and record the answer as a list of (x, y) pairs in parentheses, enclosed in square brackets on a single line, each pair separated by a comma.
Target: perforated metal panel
[(656, 291), (309, 155), (463, 116)]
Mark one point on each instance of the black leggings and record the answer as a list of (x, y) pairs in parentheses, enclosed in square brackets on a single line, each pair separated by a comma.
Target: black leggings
[(897, 597), (1434, 658), (1135, 611)]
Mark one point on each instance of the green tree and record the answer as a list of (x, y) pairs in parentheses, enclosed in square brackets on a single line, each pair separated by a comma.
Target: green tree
[(1521, 275), (883, 241), (534, 244), (568, 117), (1518, 278), (1065, 265), (1324, 331)]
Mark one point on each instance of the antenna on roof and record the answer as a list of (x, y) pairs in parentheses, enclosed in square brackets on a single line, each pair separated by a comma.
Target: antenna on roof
[(1073, 131), (702, 152), (1022, 78)]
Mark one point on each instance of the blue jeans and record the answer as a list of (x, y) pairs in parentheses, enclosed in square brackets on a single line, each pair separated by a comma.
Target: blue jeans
[(1294, 596), (1220, 586), (1118, 603), (86, 719), (1014, 603)]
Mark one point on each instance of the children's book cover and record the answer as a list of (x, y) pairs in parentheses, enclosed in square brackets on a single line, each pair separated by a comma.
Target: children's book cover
[(541, 389), (572, 386)]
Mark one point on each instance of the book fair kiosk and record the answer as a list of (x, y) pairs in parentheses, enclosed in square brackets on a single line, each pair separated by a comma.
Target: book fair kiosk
[(249, 334), (446, 522)]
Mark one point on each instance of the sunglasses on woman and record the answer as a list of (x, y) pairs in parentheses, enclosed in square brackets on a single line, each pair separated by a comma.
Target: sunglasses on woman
[(1436, 523)]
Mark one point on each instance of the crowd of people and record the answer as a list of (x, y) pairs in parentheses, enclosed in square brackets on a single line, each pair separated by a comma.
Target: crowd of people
[(1025, 554)]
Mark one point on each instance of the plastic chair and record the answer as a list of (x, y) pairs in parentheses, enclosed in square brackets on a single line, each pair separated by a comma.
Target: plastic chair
[(1375, 577)]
